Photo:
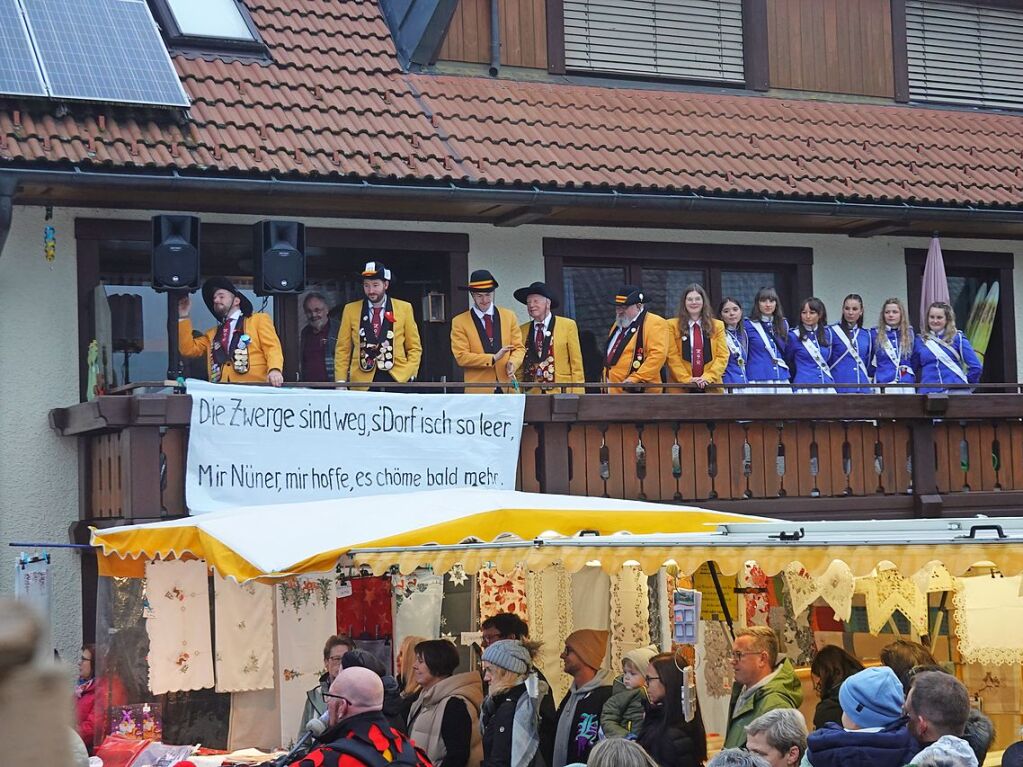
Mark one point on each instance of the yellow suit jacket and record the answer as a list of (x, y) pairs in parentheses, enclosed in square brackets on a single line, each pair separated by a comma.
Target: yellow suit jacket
[(568, 357), (680, 366), (477, 364), (265, 352), (407, 348), (655, 353)]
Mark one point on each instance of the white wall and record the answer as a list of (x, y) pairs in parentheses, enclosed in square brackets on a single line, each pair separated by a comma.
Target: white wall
[(38, 345), (38, 371)]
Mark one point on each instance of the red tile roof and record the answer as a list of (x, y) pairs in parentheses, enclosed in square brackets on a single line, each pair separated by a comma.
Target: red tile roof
[(335, 103)]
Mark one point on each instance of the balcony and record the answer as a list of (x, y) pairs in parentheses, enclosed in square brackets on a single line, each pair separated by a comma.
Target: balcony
[(787, 456)]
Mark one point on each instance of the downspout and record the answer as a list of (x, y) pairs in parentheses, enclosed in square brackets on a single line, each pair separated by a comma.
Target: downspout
[(495, 38), (7, 186)]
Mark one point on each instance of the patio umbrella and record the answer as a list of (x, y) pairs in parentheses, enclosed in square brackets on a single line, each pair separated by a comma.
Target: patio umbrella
[(278, 541), (935, 284)]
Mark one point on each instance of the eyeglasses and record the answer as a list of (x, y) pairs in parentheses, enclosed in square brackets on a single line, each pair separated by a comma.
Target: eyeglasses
[(335, 658), (652, 678), (339, 697), (737, 656)]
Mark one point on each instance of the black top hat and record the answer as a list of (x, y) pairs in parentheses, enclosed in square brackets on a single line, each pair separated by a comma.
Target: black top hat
[(480, 280), (213, 284), (374, 270), (628, 295), (537, 288)]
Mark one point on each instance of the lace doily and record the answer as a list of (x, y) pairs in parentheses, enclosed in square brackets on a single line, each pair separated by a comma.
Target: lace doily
[(988, 612), (886, 591), (549, 593), (629, 613), (834, 586), (934, 577)]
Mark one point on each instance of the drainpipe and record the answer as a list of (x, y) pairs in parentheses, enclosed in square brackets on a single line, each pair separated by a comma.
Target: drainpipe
[(7, 186), (495, 37)]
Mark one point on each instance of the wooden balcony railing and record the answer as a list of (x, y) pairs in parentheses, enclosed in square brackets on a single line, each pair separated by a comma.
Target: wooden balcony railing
[(788, 456)]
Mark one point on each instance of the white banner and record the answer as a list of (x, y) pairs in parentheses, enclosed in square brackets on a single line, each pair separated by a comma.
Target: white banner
[(250, 445)]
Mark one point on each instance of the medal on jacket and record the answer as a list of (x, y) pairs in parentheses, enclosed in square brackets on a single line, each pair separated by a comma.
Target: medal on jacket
[(540, 367), (241, 354)]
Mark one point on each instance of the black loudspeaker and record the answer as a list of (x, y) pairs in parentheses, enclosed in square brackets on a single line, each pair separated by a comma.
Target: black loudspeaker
[(126, 322), (175, 253), (279, 253)]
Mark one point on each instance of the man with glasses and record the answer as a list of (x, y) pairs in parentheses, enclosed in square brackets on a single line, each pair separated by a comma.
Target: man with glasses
[(762, 684), (358, 733), (333, 651), (579, 713)]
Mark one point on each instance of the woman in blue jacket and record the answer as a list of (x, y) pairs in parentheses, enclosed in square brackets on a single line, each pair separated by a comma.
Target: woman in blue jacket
[(892, 341), (730, 313), (852, 356), (767, 331), (943, 355), (810, 348)]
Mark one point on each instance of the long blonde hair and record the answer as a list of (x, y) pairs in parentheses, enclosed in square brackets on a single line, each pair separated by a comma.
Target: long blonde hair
[(950, 321), (905, 332), (406, 659)]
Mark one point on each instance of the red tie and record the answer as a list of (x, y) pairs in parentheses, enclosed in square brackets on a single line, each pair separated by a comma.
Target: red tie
[(539, 339), (225, 334), (488, 326), (697, 351), (615, 345), (376, 320)]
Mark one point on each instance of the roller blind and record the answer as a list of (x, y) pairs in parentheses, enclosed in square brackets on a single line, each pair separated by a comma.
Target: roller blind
[(960, 53), (685, 39)]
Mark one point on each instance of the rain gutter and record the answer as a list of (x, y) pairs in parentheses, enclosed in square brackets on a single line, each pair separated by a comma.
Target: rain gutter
[(603, 199), (7, 187)]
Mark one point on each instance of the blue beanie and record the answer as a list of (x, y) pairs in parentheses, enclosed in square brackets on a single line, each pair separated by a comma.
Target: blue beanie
[(872, 698), (508, 654)]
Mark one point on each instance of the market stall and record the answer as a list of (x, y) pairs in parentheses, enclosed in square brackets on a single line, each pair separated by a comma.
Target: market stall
[(439, 562)]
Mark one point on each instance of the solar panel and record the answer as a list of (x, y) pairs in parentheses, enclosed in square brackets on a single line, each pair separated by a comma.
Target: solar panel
[(103, 50), (19, 71)]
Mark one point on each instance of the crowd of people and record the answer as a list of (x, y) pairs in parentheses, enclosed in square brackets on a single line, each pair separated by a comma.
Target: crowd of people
[(907, 711), (375, 342)]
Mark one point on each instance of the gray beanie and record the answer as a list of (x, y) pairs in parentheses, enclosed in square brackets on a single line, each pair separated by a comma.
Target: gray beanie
[(508, 654)]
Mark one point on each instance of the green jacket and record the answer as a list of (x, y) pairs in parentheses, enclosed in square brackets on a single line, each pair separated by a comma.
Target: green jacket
[(623, 712), (783, 690)]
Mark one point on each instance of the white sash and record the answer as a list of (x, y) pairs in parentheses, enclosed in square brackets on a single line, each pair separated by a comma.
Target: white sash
[(735, 348), (940, 351), (769, 344), (850, 349), (893, 354), (810, 344)]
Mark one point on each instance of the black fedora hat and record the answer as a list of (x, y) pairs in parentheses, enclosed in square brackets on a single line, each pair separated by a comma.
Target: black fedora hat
[(481, 280), (213, 284), (628, 295), (537, 288)]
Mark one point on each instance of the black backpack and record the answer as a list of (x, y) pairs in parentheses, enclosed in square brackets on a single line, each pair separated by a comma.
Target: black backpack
[(370, 757)]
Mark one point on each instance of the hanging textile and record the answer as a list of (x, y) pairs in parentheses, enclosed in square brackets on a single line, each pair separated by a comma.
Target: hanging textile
[(591, 599), (793, 628), (364, 607), (305, 618), (629, 613), (417, 605), (245, 640), (988, 614), (178, 625), (714, 675), (501, 593), (886, 591), (712, 609), (255, 720), (996, 687), (834, 586), (549, 593), (753, 587), (933, 578), (32, 586)]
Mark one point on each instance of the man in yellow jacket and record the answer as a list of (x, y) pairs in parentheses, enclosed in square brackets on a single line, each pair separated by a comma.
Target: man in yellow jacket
[(486, 341), (378, 341), (552, 344), (637, 346), (243, 347)]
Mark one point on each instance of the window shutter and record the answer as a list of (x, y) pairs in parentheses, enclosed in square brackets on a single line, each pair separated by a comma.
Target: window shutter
[(964, 54), (685, 39)]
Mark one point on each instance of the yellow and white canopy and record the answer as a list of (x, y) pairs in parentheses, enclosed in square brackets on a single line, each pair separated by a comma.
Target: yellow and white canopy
[(277, 541)]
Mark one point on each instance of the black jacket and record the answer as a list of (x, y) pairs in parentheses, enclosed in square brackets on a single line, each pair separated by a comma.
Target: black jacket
[(498, 716), (670, 745), (829, 709)]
